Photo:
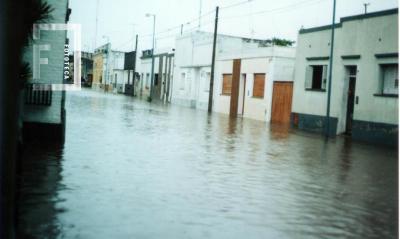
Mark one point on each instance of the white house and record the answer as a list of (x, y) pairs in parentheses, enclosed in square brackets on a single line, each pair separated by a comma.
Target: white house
[(265, 81), (193, 64), (163, 74), (364, 100), (43, 111), (113, 69)]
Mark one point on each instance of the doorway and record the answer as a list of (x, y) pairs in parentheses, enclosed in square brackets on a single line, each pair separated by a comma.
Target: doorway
[(281, 102), (242, 94), (352, 75)]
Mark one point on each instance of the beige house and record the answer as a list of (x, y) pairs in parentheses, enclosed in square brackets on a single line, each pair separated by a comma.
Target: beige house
[(98, 63)]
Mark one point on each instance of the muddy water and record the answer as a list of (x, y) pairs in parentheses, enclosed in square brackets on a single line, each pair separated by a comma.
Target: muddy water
[(130, 169)]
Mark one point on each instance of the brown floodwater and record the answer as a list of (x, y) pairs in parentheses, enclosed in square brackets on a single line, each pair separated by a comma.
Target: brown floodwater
[(131, 169)]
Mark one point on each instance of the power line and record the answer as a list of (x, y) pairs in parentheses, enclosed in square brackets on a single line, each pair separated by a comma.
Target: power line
[(237, 4), (196, 19), (287, 7), (168, 30)]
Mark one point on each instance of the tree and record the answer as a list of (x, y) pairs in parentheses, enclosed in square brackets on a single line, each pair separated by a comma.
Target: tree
[(35, 11)]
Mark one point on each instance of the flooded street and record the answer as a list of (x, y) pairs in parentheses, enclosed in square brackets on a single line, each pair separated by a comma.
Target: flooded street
[(130, 169)]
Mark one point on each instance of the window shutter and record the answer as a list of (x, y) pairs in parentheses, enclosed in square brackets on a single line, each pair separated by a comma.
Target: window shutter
[(259, 84), (324, 77), (308, 79), (227, 84)]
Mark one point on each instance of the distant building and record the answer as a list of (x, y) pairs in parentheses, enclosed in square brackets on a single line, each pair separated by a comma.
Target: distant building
[(163, 74), (86, 68), (43, 111), (107, 64), (364, 100), (264, 83), (99, 56), (129, 85)]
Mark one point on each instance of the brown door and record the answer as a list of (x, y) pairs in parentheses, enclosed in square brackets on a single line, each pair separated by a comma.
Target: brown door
[(235, 88), (282, 102)]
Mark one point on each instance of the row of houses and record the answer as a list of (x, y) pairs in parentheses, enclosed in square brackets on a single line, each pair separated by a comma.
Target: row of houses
[(259, 80)]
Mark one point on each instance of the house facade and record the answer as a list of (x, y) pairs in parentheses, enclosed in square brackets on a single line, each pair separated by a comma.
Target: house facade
[(107, 64), (43, 110), (264, 83), (364, 92), (99, 60), (193, 65), (114, 79), (163, 74)]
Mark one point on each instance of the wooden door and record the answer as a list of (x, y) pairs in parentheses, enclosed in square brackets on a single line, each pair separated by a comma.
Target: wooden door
[(235, 88), (282, 102)]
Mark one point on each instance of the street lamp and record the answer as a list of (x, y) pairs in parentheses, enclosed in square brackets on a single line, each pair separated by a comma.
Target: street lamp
[(152, 55), (108, 60)]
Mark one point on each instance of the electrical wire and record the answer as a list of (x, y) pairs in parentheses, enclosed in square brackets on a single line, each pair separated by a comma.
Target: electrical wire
[(168, 30), (287, 7)]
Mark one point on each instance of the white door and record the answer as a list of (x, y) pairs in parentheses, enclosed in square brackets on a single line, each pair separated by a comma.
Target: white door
[(242, 89)]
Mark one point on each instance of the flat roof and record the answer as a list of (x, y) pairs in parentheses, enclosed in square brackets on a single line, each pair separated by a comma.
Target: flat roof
[(351, 18)]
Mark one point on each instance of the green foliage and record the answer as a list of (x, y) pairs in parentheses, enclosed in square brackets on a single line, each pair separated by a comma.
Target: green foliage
[(282, 42), (276, 42), (35, 11), (25, 73)]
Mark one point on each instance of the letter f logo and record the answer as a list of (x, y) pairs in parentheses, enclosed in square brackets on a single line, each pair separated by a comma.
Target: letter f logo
[(37, 48)]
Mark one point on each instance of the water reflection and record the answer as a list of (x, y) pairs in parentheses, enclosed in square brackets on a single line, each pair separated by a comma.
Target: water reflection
[(39, 182), (137, 170)]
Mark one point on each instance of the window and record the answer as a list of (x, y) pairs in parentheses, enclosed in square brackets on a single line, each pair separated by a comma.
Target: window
[(183, 79), (390, 79), (226, 84), (206, 81), (259, 85), (316, 77)]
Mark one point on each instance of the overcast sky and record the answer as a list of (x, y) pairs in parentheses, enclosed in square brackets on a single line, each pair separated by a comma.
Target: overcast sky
[(121, 19)]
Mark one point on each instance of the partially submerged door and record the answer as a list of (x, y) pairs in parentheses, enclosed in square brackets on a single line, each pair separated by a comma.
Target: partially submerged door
[(282, 102), (234, 103), (352, 72)]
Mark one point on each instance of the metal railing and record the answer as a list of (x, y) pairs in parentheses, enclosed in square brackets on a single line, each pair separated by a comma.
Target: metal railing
[(38, 94)]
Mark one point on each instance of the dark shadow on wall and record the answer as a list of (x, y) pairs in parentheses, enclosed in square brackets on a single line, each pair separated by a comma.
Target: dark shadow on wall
[(39, 180)]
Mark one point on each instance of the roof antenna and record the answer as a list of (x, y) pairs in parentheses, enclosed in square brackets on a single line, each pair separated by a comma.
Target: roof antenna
[(366, 7)]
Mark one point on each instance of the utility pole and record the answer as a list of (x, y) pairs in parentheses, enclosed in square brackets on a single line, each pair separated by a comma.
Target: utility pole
[(107, 65), (328, 107), (152, 56), (134, 66), (366, 7), (210, 96), (97, 20), (200, 13), (133, 29), (181, 29)]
